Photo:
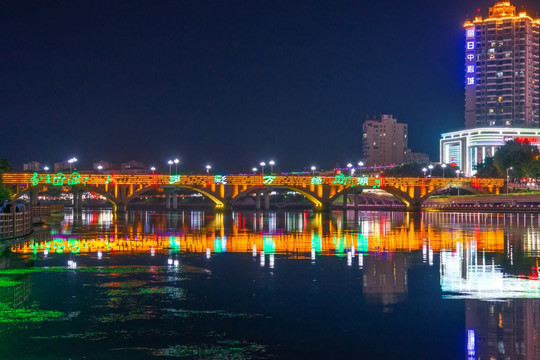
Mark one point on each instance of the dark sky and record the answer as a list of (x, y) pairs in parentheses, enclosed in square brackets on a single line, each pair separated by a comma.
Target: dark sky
[(227, 83)]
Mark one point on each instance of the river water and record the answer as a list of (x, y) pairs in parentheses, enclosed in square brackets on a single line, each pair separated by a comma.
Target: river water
[(293, 285)]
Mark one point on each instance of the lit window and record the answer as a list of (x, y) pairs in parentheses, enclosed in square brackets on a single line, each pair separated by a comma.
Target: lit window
[(470, 68), (470, 45), (492, 50), (470, 81)]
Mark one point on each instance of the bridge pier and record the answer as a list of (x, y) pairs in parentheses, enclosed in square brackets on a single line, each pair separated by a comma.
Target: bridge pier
[(344, 201), (267, 201), (34, 197), (258, 201), (77, 200)]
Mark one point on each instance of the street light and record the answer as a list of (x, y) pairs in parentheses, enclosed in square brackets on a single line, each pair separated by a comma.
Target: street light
[(100, 167), (272, 163), (170, 162), (176, 161), (71, 162), (430, 167), (153, 169), (457, 174), (349, 165), (424, 170), (360, 163), (46, 168), (313, 168), (443, 167), (263, 164), (254, 170), (508, 178), (208, 167)]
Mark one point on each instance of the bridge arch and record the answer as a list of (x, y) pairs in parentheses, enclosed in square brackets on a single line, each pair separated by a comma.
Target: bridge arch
[(84, 188), (313, 198), (219, 202)]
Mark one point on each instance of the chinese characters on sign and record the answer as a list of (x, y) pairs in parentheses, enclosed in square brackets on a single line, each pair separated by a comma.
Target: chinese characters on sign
[(469, 57)]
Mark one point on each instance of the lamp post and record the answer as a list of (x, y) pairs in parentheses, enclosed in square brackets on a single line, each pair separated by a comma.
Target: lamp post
[(153, 169), (443, 166), (424, 170), (313, 168), (100, 167), (176, 161), (263, 164), (170, 162), (254, 170), (272, 163), (46, 168), (457, 174), (349, 166), (71, 162), (508, 178), (208, 167), (430, 167)]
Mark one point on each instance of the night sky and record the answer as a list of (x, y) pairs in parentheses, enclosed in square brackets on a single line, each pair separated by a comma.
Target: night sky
[(227, 83)]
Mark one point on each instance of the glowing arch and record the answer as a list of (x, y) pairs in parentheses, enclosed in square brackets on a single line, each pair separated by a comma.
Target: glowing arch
[(307, 194), (220, 203)]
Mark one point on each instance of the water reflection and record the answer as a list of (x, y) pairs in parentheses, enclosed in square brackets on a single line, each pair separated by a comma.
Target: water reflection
[(487, 262)]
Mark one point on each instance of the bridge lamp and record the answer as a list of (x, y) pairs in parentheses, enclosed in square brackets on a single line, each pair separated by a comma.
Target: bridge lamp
[(176, 161), (430, 167), (508, 178), (349, 165), (153, 169), (46, 168), (208, 167), (424, 170), (262, 166), (100, 167), (272, 163), (443, 167), (254, 170), (170, 162), (71, 162), (360, 163), (313, 168)]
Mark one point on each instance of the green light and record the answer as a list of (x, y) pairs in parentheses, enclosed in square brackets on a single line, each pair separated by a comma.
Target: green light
[(269, 246), (316, 180), (362, 181), (58, 179), (173, 179), (341, 179), (268, 179), (377, 183), (74, 178)]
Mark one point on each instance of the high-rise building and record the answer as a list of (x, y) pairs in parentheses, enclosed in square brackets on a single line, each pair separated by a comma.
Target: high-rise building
[(384, 141), (502, 67)]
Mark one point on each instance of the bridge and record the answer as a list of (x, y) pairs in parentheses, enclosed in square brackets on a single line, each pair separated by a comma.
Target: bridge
[(226, 190)]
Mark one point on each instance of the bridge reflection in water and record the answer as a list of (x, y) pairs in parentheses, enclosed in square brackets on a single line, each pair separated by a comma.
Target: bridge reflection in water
[(297, 233), (489, 262)]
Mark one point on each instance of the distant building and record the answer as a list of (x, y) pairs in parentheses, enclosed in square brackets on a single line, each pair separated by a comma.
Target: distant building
[(468, 148), (61, 166), (133, 165), (32, 166), (502, 69), (384, 141), (415, 157), (105, 165)]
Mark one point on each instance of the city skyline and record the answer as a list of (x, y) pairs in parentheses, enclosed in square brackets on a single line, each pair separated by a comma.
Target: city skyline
[(227, 84)]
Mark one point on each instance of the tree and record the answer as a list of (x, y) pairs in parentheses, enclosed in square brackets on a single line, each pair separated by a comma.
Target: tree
[(5, 192), (487, 169), (515, 155)]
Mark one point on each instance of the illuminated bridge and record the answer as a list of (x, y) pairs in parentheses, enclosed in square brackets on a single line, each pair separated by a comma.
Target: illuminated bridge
[(225, 190)]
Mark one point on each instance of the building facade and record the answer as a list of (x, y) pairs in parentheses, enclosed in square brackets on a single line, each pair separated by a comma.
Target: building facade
[(384, 141), (502, 69), (32, 166), (468, 148)]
